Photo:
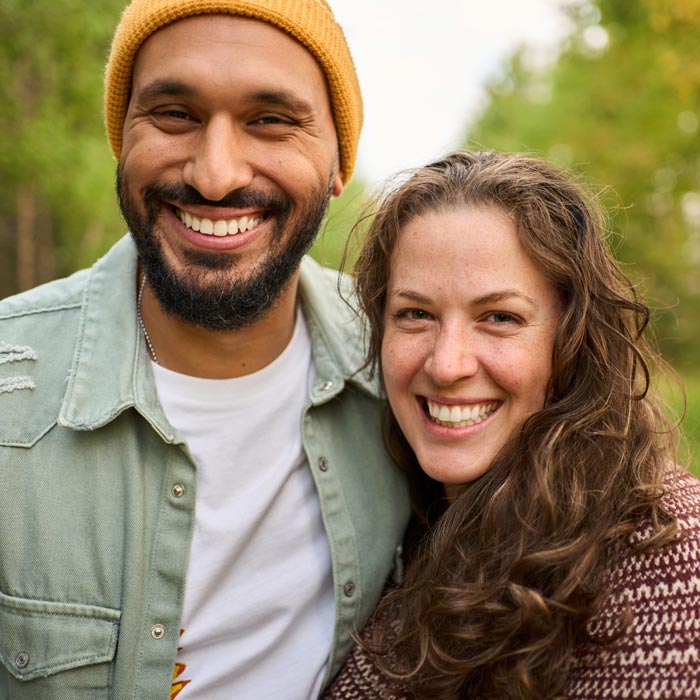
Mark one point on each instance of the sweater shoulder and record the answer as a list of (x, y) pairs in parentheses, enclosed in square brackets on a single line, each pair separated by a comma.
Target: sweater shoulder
[(644, 641)]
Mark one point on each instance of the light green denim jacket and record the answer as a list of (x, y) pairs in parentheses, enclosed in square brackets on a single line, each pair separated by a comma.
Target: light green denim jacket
[(94, 538)]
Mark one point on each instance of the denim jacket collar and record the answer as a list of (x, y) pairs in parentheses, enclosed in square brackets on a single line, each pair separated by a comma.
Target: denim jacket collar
[(111, 370)]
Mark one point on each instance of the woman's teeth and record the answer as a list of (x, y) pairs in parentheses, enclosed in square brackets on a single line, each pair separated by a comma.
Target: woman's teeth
[(220, 227), (454, 416)]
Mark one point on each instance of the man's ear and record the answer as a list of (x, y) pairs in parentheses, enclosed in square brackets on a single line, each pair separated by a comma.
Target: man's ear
[(338, 186)]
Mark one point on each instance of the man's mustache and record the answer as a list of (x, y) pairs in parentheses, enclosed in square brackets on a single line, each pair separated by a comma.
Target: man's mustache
[(245, 198)]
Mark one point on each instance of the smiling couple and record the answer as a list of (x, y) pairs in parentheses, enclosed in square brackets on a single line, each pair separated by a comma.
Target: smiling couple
[(200, 470)]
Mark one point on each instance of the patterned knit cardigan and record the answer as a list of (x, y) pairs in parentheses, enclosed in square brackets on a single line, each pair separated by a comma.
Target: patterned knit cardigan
[(659, 655)]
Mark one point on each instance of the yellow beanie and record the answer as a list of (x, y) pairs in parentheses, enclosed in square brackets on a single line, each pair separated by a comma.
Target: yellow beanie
[(310, 22)]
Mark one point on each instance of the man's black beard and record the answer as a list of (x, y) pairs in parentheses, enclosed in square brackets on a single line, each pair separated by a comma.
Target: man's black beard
[(226, 302)]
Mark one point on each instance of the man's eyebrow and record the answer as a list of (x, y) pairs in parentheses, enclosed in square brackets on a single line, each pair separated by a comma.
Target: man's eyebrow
[(175, 88), (281, 98), (161, 88)]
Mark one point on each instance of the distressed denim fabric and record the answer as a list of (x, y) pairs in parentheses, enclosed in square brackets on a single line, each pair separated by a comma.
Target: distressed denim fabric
[(94, 538)]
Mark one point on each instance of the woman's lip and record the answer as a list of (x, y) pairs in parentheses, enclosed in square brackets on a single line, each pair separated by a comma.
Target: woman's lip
[(457, 401), (457, 415), (453, 432)]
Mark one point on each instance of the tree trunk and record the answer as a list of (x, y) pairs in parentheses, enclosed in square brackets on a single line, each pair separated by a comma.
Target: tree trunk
[(45, 257), (26, 238)]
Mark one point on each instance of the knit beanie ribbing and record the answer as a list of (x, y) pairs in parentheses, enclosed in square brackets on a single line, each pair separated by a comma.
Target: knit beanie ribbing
[(310, 22)]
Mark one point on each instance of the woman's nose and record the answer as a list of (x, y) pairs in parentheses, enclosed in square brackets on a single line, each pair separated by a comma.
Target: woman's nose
[(453, 356)]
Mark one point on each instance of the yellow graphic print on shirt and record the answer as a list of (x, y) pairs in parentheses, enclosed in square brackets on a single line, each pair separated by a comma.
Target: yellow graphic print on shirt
[(177, 685)]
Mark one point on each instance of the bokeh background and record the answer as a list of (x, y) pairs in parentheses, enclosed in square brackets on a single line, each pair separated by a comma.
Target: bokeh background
[(608, 88)]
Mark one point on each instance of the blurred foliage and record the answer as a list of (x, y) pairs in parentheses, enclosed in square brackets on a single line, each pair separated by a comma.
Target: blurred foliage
[(691, 423), (682, 403), (343, 214), (57, 208), (621, 106)]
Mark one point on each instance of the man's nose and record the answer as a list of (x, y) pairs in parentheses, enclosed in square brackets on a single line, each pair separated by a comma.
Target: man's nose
[(218, 164), (453, 356)]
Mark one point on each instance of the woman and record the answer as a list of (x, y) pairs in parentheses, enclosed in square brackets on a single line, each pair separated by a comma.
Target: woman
[(556, 547)]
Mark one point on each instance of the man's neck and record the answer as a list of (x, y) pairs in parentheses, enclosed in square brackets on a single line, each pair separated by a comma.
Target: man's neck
[(188, 349)]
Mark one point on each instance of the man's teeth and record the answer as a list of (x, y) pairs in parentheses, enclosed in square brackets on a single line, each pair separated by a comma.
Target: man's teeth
[(460, 416), (220, 227)]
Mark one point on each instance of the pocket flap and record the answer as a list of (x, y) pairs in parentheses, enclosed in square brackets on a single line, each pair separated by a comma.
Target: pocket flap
[(39, 638)]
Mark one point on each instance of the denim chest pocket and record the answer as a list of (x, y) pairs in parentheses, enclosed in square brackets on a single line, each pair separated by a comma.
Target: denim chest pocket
[(56, 651)]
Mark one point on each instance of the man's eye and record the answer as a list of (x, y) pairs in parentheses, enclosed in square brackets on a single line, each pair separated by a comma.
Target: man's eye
[(173, 114), (273, 119)]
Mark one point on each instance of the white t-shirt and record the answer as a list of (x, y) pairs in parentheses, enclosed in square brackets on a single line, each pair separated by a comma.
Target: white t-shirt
[(259, 606)]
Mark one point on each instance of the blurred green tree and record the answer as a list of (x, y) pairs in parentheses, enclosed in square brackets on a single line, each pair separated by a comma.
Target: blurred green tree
[(343, 214), (620, 105), (57, 208)]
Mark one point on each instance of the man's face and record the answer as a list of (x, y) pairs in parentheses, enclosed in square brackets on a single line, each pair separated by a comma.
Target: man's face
[(228, 162)]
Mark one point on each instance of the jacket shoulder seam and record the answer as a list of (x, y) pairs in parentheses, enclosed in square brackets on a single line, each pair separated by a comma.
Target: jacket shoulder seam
[(41, 310)]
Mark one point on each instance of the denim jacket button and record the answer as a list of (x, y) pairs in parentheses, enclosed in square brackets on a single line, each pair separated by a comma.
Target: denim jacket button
[(178, 491), (157, 631), (349, 589), (326, 386), (22, 660)]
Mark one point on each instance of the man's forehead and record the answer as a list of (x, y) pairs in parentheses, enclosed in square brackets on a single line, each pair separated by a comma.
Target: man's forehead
[(222, 28), (231, 55), (236, 39)]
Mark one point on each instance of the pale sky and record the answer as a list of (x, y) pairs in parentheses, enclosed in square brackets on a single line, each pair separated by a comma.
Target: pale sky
[(422, 66)]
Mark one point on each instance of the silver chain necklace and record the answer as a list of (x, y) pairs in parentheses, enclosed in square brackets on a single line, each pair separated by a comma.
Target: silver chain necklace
[(149, 344)]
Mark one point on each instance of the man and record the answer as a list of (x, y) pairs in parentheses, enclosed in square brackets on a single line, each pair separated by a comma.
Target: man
[(192, 469)]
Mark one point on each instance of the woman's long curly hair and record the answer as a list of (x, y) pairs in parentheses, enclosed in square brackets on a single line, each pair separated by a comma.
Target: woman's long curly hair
[(502, 585)]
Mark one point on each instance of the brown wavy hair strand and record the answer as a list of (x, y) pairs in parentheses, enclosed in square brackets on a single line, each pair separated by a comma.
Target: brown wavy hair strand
[(500, 591)]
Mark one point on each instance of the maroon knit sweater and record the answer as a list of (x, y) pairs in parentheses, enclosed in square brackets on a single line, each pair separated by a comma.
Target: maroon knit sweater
[(659, 655)]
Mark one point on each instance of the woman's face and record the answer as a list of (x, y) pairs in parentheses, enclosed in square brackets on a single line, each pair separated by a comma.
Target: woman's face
[(469, 326)]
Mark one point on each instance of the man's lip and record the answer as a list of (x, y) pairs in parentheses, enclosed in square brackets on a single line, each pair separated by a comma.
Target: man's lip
[(219, 241), (215, 213), (220, 226)]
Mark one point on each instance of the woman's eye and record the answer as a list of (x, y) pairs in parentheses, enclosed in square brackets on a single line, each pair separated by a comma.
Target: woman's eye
[(413, 314), (501, 317)]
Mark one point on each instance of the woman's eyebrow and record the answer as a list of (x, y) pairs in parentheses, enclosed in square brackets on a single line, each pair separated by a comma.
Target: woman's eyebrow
[(490, 298), (495, 297), (409, 294)]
